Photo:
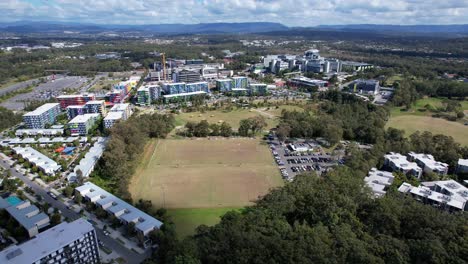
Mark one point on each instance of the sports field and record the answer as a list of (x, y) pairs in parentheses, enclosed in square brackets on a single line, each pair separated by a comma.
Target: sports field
[(413, 123), (201, 178)]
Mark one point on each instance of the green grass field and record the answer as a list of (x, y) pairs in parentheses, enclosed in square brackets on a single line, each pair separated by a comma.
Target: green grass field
[(234, 117), (198, 180), (187, 219), (416, 119)]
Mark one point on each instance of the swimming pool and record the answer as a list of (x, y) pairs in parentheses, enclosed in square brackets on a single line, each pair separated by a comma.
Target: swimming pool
[(13, 200)]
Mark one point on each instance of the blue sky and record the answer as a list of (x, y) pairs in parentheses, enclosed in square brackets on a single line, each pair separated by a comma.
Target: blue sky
[(288, 12)]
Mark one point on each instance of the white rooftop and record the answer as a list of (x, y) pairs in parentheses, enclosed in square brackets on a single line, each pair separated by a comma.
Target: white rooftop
[(119, 107), (95, 102), (45, 243), (83, 118), (184, 94), (121, 209), (463, 162), (114, 116), (378, 181), (41, 109), (402, 162), (90, 159), (429, 161)]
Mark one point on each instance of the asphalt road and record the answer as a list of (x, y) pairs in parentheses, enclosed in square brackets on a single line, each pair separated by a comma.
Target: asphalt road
[(128, 255)]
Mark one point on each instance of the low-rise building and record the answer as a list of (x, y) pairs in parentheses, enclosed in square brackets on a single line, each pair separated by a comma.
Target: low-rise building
[(398, 162), (42, 116), (368, 87), (379, 181), (448, 195), (462, 166), (29, 217), (41, 161), (428, 163), (74, 242), (112, 118), (120, 209), (352, 66), (80, 125), (304, 82), (124, 109), (88, 162), (39, 132)]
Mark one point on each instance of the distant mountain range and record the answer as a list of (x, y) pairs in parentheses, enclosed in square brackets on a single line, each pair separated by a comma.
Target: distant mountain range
[(204, 28), (23, 27)]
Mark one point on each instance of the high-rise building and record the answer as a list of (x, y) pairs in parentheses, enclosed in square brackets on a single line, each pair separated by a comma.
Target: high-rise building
[(240, 82), (43, 115), (224, 85), (80, 125), (74, 242), (143, 96)]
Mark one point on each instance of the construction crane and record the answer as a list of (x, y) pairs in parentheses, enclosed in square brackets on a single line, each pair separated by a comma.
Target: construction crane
[(163, 60)]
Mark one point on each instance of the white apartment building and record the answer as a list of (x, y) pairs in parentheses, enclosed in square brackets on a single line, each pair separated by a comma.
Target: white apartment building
[(428, 163), (378, 181), (112, 118), (80, 125), (398, 162), (38, 159), (124, 108), (448, 195), (74, 242), (43, 115)]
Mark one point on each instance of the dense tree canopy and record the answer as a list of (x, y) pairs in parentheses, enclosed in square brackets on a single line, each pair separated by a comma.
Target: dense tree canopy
[(328, 220)]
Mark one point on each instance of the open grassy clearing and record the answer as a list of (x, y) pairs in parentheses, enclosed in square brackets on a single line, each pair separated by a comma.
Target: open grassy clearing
[(187, 219), (413, 123), (199, 180), (235, 116), (418, 108)]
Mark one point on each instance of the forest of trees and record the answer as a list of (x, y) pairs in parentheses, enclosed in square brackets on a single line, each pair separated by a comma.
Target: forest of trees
[(8, 118), (326, 220), (341, 116), (126, 143)]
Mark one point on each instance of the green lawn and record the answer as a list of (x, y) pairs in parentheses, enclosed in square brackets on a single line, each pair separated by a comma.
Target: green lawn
[(186, 220), (233, 117), (418, 107)]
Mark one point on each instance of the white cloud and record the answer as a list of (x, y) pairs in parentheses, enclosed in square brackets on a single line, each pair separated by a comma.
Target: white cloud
[(288, 12)]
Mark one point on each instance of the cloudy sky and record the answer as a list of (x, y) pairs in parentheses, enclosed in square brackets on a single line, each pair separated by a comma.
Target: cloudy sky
[(288, 12)]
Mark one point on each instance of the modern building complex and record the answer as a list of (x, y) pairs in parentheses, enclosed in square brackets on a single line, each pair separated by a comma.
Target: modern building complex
[(74, 242), (88, 162), (379, 181), (257, 89), (368, 87), (353, 66), (74, 99), (112, 118), (398, 162), (173, 90), (462, 166), (80, 125), (311, 61), (123, 211), (39, 132), (42, 116), (304, 82), (27, 215), (44, 163), (428, 164), (187, 76), (447, 195)]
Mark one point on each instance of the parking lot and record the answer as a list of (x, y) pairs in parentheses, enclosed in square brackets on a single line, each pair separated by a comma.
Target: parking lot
[(308, 157)]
